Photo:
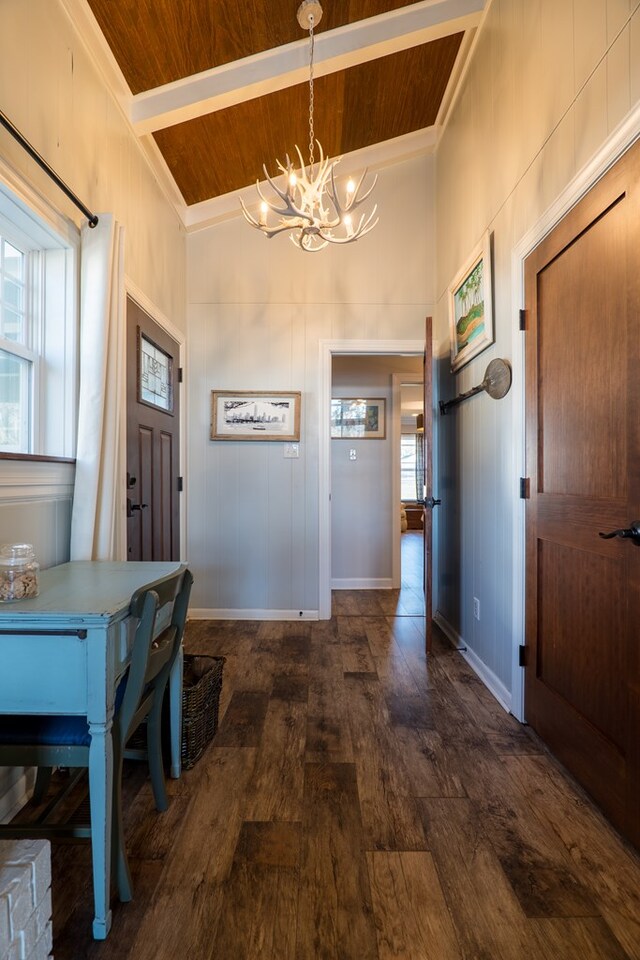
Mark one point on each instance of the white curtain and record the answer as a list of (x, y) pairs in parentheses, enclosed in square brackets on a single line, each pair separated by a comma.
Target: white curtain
[(98, 520)]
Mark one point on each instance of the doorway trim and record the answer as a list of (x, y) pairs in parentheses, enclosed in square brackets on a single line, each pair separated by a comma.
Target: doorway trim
[(136, 294), (328, 349), (611, 150)]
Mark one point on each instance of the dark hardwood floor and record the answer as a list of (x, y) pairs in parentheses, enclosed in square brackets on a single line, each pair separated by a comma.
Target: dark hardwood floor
[(359, 803)]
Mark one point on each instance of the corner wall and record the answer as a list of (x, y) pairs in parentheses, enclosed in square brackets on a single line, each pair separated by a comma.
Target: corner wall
[(257, 311), (548, 82)]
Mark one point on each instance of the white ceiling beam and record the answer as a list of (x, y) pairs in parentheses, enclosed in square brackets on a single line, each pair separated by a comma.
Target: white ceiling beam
[(272, 70)]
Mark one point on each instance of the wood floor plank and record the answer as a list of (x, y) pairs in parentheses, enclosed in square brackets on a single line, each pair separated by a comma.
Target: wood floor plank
[(275, 789), (487, 916), (431, 770), (356, 653), (182, 917), (519, 741), (389, 813), (243, 720), (610, 864), (257, 909), (412, 917), (369, 605), (328, 732), (290, 687), (271, 843), (586, 938), (451, 718), (259, 900), (345, 603), (539, 870), (334, 904), (479, 702)]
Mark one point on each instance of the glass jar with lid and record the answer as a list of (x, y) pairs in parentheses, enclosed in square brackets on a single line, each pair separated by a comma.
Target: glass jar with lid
[(18, 572)]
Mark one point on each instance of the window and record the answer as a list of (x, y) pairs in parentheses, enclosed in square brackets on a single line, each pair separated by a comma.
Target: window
[(37, 333), (16, 357), (408, 463)]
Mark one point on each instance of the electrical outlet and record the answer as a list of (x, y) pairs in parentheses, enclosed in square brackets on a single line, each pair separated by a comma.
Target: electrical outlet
[(476, 608), (352, 454), (292, 451)]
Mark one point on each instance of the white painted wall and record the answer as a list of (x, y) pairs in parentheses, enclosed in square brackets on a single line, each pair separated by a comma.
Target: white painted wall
[(257, 311), (362, 504), (548, 82), (53, 93)]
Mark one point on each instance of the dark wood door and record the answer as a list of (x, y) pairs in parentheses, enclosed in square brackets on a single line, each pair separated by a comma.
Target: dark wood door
[(153, 440), (582, 290), (428, 479)]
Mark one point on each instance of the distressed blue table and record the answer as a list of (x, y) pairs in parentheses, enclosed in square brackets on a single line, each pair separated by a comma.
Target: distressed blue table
[(64, 652)]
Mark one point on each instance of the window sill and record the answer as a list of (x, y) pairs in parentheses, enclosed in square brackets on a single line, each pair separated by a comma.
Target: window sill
[(35, 458)]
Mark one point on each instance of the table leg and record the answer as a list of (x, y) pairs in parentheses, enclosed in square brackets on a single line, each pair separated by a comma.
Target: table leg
[(100, 793), (175, 713)]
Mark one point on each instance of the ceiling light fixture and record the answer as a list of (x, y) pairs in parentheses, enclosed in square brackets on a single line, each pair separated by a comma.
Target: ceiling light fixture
[(309, 204)]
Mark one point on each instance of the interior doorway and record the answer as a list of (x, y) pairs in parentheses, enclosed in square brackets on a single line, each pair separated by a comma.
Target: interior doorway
[(329, 350), (412, 460)]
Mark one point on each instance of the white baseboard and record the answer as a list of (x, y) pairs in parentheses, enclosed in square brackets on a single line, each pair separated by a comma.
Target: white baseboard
[(355, 583), (488, 677), (213, 613)]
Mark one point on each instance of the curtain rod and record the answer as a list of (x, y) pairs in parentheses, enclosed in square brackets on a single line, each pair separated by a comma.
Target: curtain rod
[(33, 153)]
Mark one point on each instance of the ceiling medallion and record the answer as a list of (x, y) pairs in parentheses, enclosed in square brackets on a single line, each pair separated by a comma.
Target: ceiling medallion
[(309, 205)]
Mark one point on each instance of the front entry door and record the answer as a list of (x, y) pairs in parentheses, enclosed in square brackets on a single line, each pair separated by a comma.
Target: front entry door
[(582, 292), (153, 440)]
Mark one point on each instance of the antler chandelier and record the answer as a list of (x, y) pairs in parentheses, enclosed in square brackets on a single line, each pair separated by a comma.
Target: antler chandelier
[(309, 206)]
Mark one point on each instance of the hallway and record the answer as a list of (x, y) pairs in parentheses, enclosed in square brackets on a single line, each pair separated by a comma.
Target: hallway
[(359, 803)]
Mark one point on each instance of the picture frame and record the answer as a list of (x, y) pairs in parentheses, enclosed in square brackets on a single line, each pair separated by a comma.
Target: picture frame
[(255, 415), (358, 418), (471, 306)]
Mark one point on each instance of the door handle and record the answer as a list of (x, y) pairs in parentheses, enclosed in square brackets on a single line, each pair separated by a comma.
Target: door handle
[(429, 502), (134, 506), (630, 533)]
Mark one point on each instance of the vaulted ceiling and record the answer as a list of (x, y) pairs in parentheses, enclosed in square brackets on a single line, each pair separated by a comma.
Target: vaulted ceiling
[(217, 88)]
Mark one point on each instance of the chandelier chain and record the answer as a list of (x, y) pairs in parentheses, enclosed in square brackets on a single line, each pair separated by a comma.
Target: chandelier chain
[(308, 205), (311, 132)]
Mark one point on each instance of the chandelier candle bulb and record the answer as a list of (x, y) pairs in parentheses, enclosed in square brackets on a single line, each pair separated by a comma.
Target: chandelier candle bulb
[(309, 207)]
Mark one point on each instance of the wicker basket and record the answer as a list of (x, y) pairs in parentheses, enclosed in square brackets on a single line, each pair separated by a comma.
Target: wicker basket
[(201, 686)]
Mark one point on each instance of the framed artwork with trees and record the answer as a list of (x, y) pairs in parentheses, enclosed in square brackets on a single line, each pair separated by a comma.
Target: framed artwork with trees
[(471, 306)]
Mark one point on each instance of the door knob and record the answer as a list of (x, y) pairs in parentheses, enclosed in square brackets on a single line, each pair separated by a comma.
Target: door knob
[(630, 533)]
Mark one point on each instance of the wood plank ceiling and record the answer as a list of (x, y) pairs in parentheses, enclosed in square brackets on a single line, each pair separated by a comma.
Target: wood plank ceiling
[(158, 42)]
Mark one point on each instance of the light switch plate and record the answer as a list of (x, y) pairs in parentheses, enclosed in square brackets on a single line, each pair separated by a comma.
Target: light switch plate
[(292, 450)]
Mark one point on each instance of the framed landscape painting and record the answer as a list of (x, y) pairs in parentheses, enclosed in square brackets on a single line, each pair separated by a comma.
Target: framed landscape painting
[(471, 307), (255, 415)]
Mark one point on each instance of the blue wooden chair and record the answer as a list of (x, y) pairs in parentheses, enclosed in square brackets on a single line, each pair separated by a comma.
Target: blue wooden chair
[(48, 741)]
